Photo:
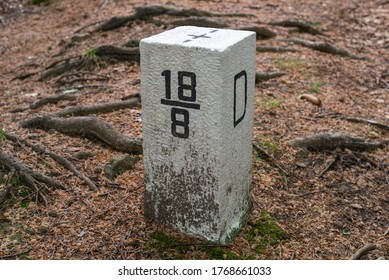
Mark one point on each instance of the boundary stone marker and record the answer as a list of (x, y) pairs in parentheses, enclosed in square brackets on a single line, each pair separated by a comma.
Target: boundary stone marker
[(197, 88)]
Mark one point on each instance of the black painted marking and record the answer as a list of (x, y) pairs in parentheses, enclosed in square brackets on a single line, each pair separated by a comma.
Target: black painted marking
[(177, 123), (191, 87), (238, 76), (180, 104), (199, 36), (168, 91), (185, 101)]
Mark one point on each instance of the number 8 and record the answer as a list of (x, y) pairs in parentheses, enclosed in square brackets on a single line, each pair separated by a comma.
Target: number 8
[(184, 123)]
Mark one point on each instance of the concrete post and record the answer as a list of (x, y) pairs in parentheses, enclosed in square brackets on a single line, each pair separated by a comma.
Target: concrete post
[(197, 88)]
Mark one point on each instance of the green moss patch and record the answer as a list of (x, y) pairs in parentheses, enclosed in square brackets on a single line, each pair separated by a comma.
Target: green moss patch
[(265, 232)]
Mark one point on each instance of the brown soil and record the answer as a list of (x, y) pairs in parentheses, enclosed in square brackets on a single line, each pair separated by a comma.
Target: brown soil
[(327, 217)]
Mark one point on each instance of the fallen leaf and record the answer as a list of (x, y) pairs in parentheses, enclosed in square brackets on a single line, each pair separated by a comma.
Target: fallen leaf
[(310, 98), (356, 206)]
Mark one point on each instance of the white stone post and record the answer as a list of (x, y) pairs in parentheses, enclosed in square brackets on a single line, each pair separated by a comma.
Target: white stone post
[(197, 88)]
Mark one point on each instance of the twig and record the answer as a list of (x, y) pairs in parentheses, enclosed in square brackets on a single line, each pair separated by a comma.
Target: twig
[(361, 120), (329, 165), (358, 254), (261, 152)]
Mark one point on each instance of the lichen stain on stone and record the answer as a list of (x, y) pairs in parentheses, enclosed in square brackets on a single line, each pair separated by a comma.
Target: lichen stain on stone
[(184, 199)]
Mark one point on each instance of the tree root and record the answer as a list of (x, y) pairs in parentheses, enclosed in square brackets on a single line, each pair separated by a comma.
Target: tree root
[(201, 22), (88, 127), (324, 47), (25, 75), (262, 32), (78, 79), (358, 254), (275, 49), (301, 26), (327, 141), (148, 12), (47, 100), (265, 76), (98, 108), (120, 53), (108, 51), (58, 158), (58, 68), (29, 176)]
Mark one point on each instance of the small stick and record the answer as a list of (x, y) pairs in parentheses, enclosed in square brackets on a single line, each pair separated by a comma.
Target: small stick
[(358, 254), (332, 162), (371, 122)]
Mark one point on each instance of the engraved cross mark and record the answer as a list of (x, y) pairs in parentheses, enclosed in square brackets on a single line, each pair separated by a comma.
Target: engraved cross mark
[(194, 37)]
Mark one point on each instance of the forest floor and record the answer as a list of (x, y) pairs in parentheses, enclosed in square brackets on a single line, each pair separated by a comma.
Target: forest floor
[(323, 203)]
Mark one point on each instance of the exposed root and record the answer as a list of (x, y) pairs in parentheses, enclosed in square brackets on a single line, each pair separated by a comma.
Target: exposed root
[(114, 22), (324, 47), (78, 77), (328, 141), (148, 12), (59, 68), (47, 100), (301, 26), (98, 108), (120, 53), (108, 51), (25, 75), (201, 22), (265, 76), (28, 176), (362, 251), (88, 127), (58, 158), (275, 49), (262, 32)]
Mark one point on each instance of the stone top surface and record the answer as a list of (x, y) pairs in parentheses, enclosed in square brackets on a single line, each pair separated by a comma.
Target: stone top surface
[(199, 37)]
